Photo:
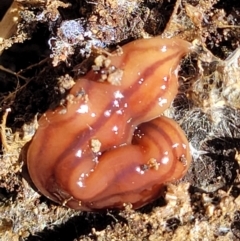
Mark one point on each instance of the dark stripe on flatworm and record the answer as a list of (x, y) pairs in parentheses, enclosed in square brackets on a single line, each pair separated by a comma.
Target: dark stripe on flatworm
[(103, 121), (157, 142)]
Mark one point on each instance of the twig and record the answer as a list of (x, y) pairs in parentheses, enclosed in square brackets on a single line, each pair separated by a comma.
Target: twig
[(13, 73), (3, 130), (32, 66)]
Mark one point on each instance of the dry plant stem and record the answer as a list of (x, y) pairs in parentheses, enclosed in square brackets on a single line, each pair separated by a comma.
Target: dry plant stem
[(23, 70), (169, 24), (30, 67), (8, 25), (3, 130), (11, 96), (13, 73), (228, 26)]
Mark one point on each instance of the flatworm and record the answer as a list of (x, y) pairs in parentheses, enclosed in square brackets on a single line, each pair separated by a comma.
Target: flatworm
[(109, 145)]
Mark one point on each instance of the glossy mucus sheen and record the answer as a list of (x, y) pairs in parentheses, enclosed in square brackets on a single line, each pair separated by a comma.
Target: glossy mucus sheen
[(109, 145)]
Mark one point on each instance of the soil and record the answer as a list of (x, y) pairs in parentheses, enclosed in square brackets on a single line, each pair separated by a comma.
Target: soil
[(51, 43)]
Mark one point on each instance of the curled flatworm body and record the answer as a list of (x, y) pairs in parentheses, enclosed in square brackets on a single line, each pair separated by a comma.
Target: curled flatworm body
[(110, 145)]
